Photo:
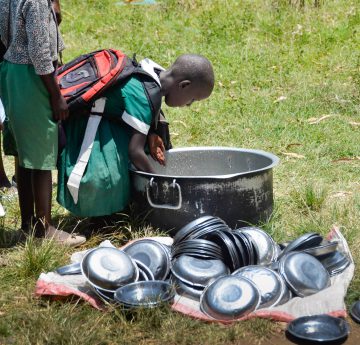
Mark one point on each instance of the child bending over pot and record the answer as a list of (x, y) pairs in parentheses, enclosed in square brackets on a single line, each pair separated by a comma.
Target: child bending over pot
[(103, 187)]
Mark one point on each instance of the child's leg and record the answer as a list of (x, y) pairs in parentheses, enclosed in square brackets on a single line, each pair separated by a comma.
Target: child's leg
[(4, 181), (26, 198), (42, 190)]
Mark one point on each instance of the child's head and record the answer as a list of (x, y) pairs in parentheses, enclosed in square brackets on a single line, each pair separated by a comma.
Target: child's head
[(189, 79)]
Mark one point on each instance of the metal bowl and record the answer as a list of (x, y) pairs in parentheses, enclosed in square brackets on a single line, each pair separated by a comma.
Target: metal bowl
[(335, 263), (229, 298), (152, 254), (108, 268), (325, 248), (305, 241), (198, 272), (355, 311), (286, 296), (69, 269), (303, 273), (186, 290), (269, 283), (265, 246), (319, 328), (105, 295), (145, 294), (144, 271)]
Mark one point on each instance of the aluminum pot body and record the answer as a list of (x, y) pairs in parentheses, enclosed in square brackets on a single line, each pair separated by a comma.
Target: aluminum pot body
[(233, 184)]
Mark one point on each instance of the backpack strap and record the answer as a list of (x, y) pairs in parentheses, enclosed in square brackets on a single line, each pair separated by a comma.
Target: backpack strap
[(73, 183), (152, 86)]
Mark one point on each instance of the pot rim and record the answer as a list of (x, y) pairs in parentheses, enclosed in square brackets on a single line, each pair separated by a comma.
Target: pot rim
[(275, 160)]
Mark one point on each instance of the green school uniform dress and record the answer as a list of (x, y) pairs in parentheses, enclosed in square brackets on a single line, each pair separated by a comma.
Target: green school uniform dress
[(30, 131), (104, 187), (29, 31)]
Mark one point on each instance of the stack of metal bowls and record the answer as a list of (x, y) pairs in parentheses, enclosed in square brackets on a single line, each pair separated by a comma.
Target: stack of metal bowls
[(266, 248), (140, 269), (210, 238), (200, 228)]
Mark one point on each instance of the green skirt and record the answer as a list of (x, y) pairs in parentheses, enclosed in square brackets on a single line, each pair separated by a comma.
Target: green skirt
[(31, 133), (105, 186)]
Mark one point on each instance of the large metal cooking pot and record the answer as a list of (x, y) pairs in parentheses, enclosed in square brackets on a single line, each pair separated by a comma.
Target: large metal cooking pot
[(233, 184)]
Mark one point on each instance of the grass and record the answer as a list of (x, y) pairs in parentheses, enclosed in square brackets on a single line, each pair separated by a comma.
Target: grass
[(287, 81)]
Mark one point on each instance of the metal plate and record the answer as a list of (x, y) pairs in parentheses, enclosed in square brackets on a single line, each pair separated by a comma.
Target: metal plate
[(266, 246), (144, 271), (304, 274), (324, 248), (269, 283), (153, 254), (108, 268), (355, 311), (229, 298), (74, 268), (305, 241), (197, 272), (186, 290), (319, 328)]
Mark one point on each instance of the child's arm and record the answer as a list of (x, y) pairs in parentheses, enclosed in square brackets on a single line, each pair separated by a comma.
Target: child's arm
[(136, 152)]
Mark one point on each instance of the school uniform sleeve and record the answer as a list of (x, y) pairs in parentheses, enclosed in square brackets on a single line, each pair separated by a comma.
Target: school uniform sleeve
[(37, 25), (137, 112)]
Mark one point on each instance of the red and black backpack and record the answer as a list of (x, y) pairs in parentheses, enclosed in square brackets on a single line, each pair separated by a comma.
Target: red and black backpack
[(86, 78)]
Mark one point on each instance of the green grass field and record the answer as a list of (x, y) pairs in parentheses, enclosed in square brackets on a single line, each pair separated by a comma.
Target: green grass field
[(287, 81)]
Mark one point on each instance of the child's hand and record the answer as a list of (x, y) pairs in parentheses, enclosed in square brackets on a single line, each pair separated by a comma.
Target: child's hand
[(59, 107), (157, 148)]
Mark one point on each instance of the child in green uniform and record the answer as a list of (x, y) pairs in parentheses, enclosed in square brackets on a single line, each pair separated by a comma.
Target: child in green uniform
[(33, 104), (122, 134)]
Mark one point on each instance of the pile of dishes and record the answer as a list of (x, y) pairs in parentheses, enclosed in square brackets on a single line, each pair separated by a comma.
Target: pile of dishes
[(214, 265), (133, 277), (229, 272), (210, 238)]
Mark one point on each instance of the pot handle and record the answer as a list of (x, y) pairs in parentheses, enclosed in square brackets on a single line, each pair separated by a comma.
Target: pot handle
[(166, 206)]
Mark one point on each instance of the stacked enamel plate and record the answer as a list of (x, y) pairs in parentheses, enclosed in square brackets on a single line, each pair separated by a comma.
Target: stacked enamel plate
[(335, 263), (304, 242), (107, 269), (210, 238), (303, 273), (237, 248), (200, 228), (198, 248)]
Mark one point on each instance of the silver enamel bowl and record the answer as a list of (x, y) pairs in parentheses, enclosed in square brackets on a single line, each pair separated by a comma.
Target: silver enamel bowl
[(197, 272), (108, 268), (229, 298)]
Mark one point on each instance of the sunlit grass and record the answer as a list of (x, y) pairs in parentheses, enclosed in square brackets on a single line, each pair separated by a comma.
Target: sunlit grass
[(287, 81)]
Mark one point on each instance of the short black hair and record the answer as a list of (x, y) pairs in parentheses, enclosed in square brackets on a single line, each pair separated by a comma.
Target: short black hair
[(194, 67)]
